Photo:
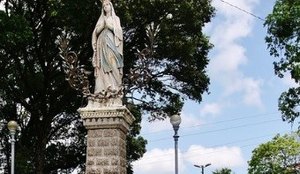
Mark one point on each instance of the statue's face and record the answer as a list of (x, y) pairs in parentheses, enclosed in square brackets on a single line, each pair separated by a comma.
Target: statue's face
[(106, 7)]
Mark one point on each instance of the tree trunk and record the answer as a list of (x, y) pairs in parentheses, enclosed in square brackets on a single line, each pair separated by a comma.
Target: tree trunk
[(40, 160), (40, 156)]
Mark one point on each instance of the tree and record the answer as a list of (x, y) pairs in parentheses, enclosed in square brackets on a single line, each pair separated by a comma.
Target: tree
[(34, 92), (223, 171), (283, 40), (280, 155)]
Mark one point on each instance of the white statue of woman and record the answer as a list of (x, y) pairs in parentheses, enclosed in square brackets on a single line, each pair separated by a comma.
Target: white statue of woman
[(107, 43)]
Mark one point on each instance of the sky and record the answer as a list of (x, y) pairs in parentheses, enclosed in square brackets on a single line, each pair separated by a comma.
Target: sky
[(241, 111)]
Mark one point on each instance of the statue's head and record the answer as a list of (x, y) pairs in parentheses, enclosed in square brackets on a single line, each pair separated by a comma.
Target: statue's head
[(107, 6)]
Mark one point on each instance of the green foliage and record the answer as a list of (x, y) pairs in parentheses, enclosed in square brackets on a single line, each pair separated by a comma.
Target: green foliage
[(180, 58), (283, 40), (34, 92), (280, 155), (223, 171), (289, 104), (135, 144)]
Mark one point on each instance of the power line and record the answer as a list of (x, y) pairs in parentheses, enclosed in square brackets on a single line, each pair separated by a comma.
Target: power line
[(245, 11), (159, 158), (213, 123), (234, 127), (233, 119), (217, 130)]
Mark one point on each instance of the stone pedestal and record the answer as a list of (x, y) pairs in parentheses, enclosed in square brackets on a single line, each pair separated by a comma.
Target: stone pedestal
[(106, 140)]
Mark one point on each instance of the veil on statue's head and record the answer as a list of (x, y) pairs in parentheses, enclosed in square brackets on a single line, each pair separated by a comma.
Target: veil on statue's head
[(117, 26), (113, 13)]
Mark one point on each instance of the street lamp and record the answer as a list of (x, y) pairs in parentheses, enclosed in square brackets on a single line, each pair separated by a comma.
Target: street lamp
[(175, 121), (202, 167), (12, 127)]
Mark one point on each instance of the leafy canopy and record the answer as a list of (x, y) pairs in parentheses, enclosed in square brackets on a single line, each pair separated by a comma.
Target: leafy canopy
[(34, 92), (223, 171), (280, 155), (283, 40)]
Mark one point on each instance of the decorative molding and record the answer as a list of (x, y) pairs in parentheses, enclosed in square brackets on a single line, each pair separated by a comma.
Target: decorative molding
[(107, 118)]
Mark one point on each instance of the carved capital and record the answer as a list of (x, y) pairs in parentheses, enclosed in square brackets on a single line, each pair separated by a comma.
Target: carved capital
[(107, 118)]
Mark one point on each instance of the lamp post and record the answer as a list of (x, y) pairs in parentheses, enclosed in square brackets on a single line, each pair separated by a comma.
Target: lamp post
[(12, 127), (202, 167), (175, 121)]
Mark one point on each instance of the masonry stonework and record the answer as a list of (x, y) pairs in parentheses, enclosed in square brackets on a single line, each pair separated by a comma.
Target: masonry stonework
[(106, 139)]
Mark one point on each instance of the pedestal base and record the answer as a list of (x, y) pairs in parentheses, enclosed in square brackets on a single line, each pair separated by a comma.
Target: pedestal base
[(106, 140)]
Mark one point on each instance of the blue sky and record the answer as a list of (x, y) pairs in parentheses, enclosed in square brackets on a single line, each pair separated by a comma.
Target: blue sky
[(241, 110)]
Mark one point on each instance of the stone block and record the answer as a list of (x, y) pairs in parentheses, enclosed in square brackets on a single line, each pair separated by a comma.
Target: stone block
[(102, 162), (99, 152), (91, 151), (123, 153), (94, 171), (123, 162), (110, 133), (115, 162), (94, 133), (90, 162), (122, 135), (111, 152), (111, 170), (115, 142), (106, 140), (91, 143), (103, 142)]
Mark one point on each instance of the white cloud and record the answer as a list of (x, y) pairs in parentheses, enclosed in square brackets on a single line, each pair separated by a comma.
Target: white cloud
[(229, 55), (187, 120), (228, 59), (158, 161), (235, 23), (247, 87), (288, 81), (218, 156), (190, 120), (252, 92), (211, 109), (156, 126), (161, 161)]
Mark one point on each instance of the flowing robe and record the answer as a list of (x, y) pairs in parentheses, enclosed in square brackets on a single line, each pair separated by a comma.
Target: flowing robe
[(107, 42)]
